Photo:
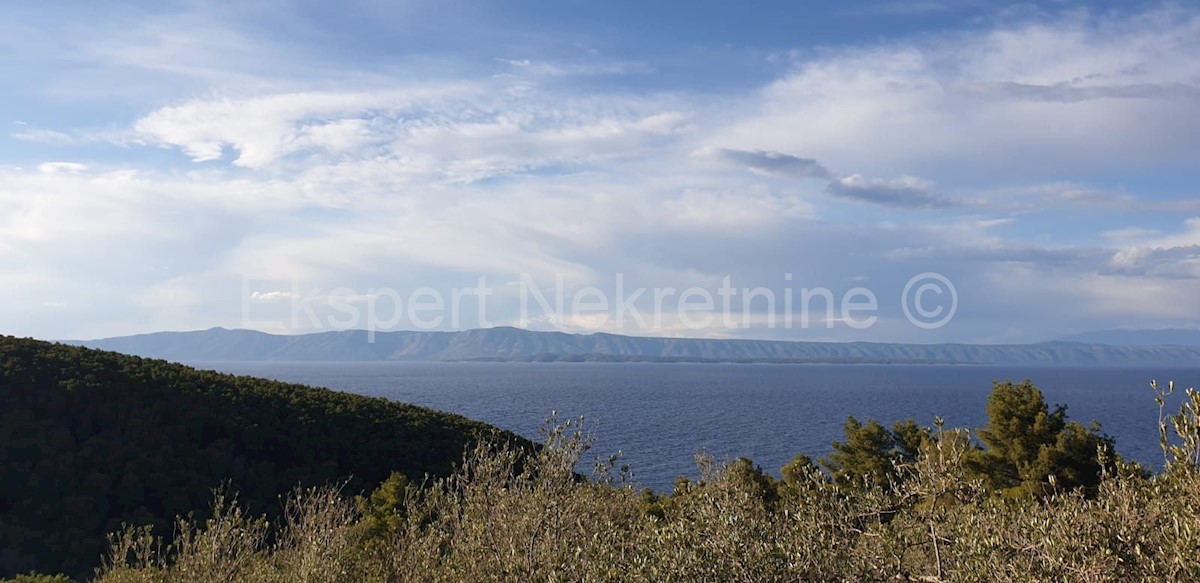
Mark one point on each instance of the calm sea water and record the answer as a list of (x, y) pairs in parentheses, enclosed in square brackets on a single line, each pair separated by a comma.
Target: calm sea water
[(661, 415)]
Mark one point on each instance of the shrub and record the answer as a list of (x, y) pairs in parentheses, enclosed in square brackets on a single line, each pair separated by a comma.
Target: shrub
[(507, 517)]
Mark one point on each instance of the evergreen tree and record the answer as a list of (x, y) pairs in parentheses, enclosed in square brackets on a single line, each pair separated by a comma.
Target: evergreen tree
[(1030, 449), (798, 470), (871, 453)]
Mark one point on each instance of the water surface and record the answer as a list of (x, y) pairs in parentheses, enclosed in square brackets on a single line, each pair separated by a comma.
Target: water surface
[(660, 415)]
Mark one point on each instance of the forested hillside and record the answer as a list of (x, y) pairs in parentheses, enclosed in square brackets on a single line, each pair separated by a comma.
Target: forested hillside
[(90, 440)]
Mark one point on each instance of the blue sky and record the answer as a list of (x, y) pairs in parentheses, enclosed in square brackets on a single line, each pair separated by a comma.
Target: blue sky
[(161, 163)]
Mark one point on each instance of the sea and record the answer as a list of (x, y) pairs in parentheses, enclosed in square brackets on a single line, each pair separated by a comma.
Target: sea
[(658, 416)]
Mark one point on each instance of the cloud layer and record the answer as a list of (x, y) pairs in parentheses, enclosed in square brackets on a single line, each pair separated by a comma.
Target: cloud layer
[(1044, 165)]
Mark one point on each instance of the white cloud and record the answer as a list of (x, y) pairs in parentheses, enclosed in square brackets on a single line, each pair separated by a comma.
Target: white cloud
[(61, 168), (1190, 235), (363, 181), (1078, 94), (1052, 301), (993, 223), (459, 133), (51, 137), (1148, 253), (266, 128), (271, 296)]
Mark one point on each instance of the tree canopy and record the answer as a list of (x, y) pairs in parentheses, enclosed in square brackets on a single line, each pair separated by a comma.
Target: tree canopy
[(1026, 447), (872, 453), (1031, 449), (90, 440)]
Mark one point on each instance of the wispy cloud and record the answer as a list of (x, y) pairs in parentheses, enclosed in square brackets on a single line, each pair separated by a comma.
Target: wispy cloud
[(461, 131), (1071, 92), (61, 167), (240, 155), (52, 137), (594, 66), (1070, 96)]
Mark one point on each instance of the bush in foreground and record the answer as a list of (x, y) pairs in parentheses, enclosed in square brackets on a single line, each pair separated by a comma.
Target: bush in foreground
[(937, 518)]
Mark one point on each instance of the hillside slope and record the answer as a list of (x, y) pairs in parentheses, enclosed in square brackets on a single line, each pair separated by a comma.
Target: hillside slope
[(90, 439), (504, 343)]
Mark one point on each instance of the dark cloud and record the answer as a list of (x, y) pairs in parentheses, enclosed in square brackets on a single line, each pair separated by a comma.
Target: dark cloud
[(908, 193), (776, 163)]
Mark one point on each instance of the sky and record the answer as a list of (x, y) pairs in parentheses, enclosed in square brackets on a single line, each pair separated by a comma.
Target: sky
[(1014, 172)]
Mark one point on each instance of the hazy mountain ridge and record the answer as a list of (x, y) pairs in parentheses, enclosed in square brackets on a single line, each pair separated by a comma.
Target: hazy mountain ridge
[(504, 343), (1164, 337)]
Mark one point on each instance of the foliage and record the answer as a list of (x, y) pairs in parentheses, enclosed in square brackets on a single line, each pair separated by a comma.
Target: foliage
[(496, 520), (1030, 497), (37, 578), (1026, 449), (1185, 450), (90, 440), (871, 453), (1031, 450)]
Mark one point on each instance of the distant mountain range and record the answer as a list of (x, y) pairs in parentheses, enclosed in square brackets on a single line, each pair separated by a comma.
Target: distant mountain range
[(514, 344), (1167, 337)]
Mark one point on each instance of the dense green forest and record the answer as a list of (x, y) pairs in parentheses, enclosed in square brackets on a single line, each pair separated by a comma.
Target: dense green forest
[(1031, 496), (90, 440)]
